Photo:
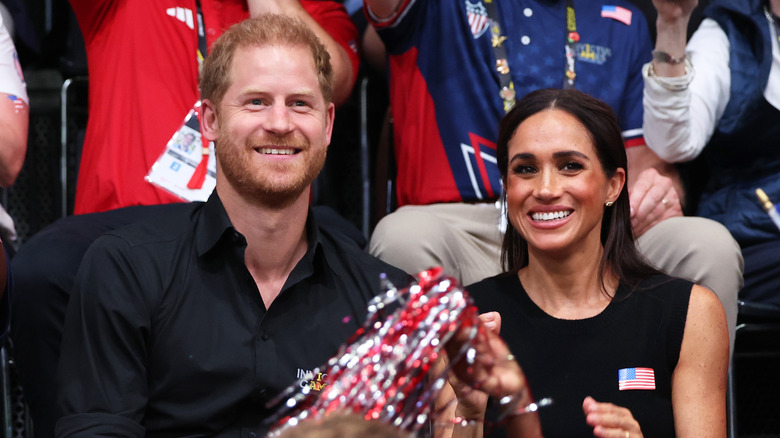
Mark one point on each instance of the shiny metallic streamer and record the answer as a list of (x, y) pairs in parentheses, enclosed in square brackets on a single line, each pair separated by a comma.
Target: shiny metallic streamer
[(382, 373)]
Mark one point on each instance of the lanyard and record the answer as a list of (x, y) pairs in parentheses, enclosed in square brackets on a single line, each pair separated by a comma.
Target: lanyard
[(202, 44), (506, 87), (571, 45), (199, 174)]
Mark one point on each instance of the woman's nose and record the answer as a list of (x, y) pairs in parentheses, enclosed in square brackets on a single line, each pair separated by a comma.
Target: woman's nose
[(548, 184)]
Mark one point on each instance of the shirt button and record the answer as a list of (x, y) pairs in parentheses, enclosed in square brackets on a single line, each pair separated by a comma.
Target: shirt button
[(525, 39), (252, 435), (265, 336), (528, 12), (263, 393)]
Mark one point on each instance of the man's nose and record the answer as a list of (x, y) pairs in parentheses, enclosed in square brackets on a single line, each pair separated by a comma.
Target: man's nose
[(278, 119)]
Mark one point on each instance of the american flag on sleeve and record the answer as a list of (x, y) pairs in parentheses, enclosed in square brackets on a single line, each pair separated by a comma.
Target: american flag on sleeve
[(636, 378), (618, 13)]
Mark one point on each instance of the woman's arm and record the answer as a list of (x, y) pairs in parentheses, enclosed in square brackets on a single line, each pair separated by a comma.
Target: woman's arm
[(699, 380)]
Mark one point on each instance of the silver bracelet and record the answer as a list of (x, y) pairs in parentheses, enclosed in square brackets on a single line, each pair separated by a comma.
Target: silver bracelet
[(673, 83)]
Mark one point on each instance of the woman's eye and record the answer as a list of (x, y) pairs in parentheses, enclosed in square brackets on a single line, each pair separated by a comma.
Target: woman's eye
[(524, 169), (573, 166)]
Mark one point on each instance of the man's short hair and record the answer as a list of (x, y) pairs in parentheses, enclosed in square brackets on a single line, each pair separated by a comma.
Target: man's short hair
[(262, 31)]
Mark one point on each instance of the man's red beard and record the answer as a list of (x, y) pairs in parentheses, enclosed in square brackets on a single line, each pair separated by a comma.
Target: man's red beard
[(251, 183)]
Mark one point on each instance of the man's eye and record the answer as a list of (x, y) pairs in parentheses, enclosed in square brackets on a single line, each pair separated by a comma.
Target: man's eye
[(256, 102), (299, 103)]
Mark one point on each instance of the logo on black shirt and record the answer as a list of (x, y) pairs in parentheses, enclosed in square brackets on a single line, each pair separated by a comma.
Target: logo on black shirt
[(315, 382)]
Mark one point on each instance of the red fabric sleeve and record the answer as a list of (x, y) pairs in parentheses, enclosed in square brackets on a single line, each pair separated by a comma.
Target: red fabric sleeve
[(334, 19)]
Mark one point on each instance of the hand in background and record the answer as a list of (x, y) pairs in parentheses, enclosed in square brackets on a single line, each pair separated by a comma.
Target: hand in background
[(653, 198), (671, 10)]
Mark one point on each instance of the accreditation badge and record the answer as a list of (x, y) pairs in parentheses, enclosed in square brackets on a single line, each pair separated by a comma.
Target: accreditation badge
[(176, 168)]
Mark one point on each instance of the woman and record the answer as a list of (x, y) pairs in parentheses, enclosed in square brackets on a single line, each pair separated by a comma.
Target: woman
[(623, 350)]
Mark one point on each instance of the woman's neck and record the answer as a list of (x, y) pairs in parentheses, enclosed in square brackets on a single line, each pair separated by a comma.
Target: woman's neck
[(568, 287)]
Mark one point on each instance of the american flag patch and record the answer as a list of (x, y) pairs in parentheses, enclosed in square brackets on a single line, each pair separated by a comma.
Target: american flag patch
[(18, 103), (618, 13), (636, 378), (477, 17)]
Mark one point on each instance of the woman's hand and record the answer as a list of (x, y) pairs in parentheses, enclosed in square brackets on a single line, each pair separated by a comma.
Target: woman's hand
[(460, 408), (492, 368), (489, 369), (609, 420), (471, 397)]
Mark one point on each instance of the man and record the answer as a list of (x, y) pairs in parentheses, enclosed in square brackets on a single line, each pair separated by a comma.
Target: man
[(456, 67), (161, 45), (135, 108), (189, 330)]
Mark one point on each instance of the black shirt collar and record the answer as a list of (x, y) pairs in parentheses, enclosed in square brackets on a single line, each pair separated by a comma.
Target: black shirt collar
[(214, 225)]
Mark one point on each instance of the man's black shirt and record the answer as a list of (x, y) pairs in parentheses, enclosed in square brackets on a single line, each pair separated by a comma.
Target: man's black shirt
[(166, 333)]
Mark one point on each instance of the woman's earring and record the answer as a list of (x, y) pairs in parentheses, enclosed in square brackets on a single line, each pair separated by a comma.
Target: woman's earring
[(609, 203)]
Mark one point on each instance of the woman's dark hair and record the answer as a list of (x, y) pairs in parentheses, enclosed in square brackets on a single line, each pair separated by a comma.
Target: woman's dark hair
[(620, 254)]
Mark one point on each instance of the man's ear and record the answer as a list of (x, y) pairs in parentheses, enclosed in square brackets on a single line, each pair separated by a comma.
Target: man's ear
[(331, 116), (209, 125)]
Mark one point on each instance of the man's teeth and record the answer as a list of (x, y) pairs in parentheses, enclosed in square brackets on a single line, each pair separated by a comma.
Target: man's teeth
[(271, 151), (550, 216)]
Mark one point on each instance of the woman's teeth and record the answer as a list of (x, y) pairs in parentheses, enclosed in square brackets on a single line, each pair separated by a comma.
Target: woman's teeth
[(553, 215)]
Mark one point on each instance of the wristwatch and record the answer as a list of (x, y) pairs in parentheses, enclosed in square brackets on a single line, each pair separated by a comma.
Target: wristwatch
[(664, 57)]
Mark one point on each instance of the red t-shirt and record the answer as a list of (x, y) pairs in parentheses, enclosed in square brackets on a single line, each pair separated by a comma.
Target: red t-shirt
[(143, 79)]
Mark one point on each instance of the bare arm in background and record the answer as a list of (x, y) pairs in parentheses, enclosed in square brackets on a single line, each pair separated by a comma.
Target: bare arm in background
[(343, 79), (14, 121), (382, 8)]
